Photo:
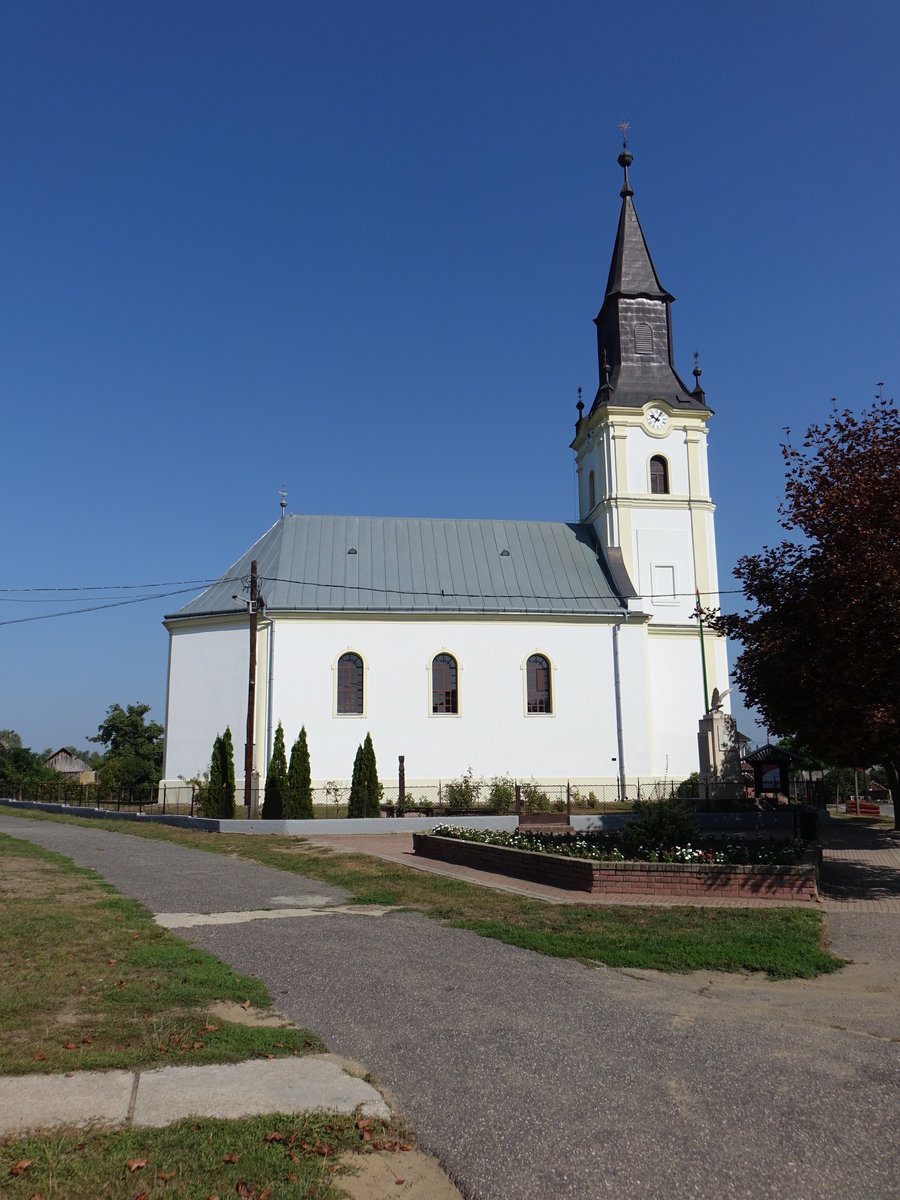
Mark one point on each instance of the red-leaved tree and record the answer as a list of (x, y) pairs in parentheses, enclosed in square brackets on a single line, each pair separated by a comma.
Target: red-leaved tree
[(821, 639)]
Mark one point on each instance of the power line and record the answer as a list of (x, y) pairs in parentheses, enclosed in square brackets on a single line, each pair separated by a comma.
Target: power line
[(74, 612), (122, 587)]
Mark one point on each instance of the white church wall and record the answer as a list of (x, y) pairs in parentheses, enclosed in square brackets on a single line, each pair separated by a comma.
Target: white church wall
[(676, 702), (492, 733), (664, 555), (207, 691), (634, 683)]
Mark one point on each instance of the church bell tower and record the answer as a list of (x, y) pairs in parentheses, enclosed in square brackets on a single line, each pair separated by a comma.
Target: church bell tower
[(641, 448)]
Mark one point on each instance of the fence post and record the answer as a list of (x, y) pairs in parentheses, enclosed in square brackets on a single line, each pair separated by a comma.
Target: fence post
[(518, 794), (401, 784), (568, 802)]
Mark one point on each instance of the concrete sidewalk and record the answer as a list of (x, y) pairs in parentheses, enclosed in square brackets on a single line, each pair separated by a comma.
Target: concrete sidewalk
[(159, 1097)]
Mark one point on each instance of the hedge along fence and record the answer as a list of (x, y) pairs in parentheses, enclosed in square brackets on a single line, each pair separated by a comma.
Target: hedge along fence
[(678, 880)]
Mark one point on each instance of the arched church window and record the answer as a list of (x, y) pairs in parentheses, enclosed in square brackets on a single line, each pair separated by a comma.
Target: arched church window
[(592, 491), (643, 339), (350, 685), (539, 699), (444, 691), (659, 475)]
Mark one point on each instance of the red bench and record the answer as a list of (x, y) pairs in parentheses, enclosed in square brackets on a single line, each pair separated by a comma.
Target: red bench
[(863, 808)]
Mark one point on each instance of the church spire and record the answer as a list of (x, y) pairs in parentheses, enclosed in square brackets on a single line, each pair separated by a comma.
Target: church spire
[(634, 327)]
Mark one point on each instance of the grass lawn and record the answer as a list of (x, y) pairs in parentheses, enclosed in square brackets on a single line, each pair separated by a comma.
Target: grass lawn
[(265, 1158), (783, 942), (88, 981)]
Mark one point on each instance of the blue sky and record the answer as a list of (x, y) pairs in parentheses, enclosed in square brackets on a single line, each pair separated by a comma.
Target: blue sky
[(357, 249)]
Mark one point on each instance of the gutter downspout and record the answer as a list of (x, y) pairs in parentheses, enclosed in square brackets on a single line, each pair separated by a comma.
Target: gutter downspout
[(620, 736), (269, 690)]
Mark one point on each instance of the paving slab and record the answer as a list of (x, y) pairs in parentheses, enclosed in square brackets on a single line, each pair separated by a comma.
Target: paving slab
[(78, 1098), (167, 1094), (251, 1088)]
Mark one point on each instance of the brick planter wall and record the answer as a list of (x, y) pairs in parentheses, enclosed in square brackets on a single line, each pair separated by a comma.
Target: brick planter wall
[(629, 878)]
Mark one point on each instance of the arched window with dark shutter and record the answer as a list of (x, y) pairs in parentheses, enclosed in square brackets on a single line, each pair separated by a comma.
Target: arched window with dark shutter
[(444, 689), (592, 492), (659, 475), (539, 698), (350, 685)]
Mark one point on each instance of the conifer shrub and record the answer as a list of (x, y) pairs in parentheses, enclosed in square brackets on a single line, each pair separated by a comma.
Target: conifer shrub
[(300, 805), (356, 804), (228, 791), (373, 789), (211, 795), (276, 780)]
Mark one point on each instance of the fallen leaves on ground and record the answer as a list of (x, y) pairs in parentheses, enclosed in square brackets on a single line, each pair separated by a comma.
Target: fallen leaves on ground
[(136, 1164), (21, 1166)]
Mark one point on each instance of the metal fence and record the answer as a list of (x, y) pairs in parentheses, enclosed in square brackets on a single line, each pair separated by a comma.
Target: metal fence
[(332, 799)]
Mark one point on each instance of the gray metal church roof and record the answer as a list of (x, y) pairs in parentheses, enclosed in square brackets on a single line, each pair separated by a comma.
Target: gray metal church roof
[(308, 564)]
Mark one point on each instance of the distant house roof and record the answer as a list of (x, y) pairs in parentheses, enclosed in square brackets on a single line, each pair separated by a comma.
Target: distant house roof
[(387, 564), (67, 763)]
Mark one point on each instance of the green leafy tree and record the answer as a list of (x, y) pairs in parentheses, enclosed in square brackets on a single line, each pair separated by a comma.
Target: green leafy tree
[(300, 779), (211, 803), (134, 747), (373, 791), (821, 637), (276, 780), (10, 740), (228, 791), (356, 805), (20, 767)]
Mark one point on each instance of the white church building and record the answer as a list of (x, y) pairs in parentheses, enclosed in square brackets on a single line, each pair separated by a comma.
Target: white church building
[(552, 651)]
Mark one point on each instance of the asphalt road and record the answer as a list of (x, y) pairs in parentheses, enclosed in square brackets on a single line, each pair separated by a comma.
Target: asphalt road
[(531, 1077)]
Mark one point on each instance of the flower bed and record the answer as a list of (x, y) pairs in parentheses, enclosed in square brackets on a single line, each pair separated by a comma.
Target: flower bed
[(594, 863)]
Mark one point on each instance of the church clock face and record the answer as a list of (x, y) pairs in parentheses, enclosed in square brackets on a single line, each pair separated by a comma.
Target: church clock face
[(657, 420)]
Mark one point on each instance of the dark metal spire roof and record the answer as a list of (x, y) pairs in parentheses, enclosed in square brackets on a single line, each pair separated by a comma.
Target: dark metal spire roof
[(634, 326), (632, 272)]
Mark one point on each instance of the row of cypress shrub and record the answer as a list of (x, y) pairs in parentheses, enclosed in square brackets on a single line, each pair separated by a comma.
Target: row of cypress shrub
[(288, 794)]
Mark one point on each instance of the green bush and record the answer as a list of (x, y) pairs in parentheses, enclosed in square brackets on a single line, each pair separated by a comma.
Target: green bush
[(461, 794), (688, 789), (502, 794), (533, 799), (666, 822)]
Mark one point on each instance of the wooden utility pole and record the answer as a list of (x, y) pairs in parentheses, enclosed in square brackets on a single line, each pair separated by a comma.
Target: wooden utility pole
[(251, 693)]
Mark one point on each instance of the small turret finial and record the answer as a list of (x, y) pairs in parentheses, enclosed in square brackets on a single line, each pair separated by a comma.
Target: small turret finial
[(605, 368), (283, 494), (698, 389), (625, 159), (580, 407)]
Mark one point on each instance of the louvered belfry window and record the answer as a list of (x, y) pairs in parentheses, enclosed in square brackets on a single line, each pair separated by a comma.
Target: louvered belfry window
[(350, 685), (643, 339), (444, 693), (539, 700)]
